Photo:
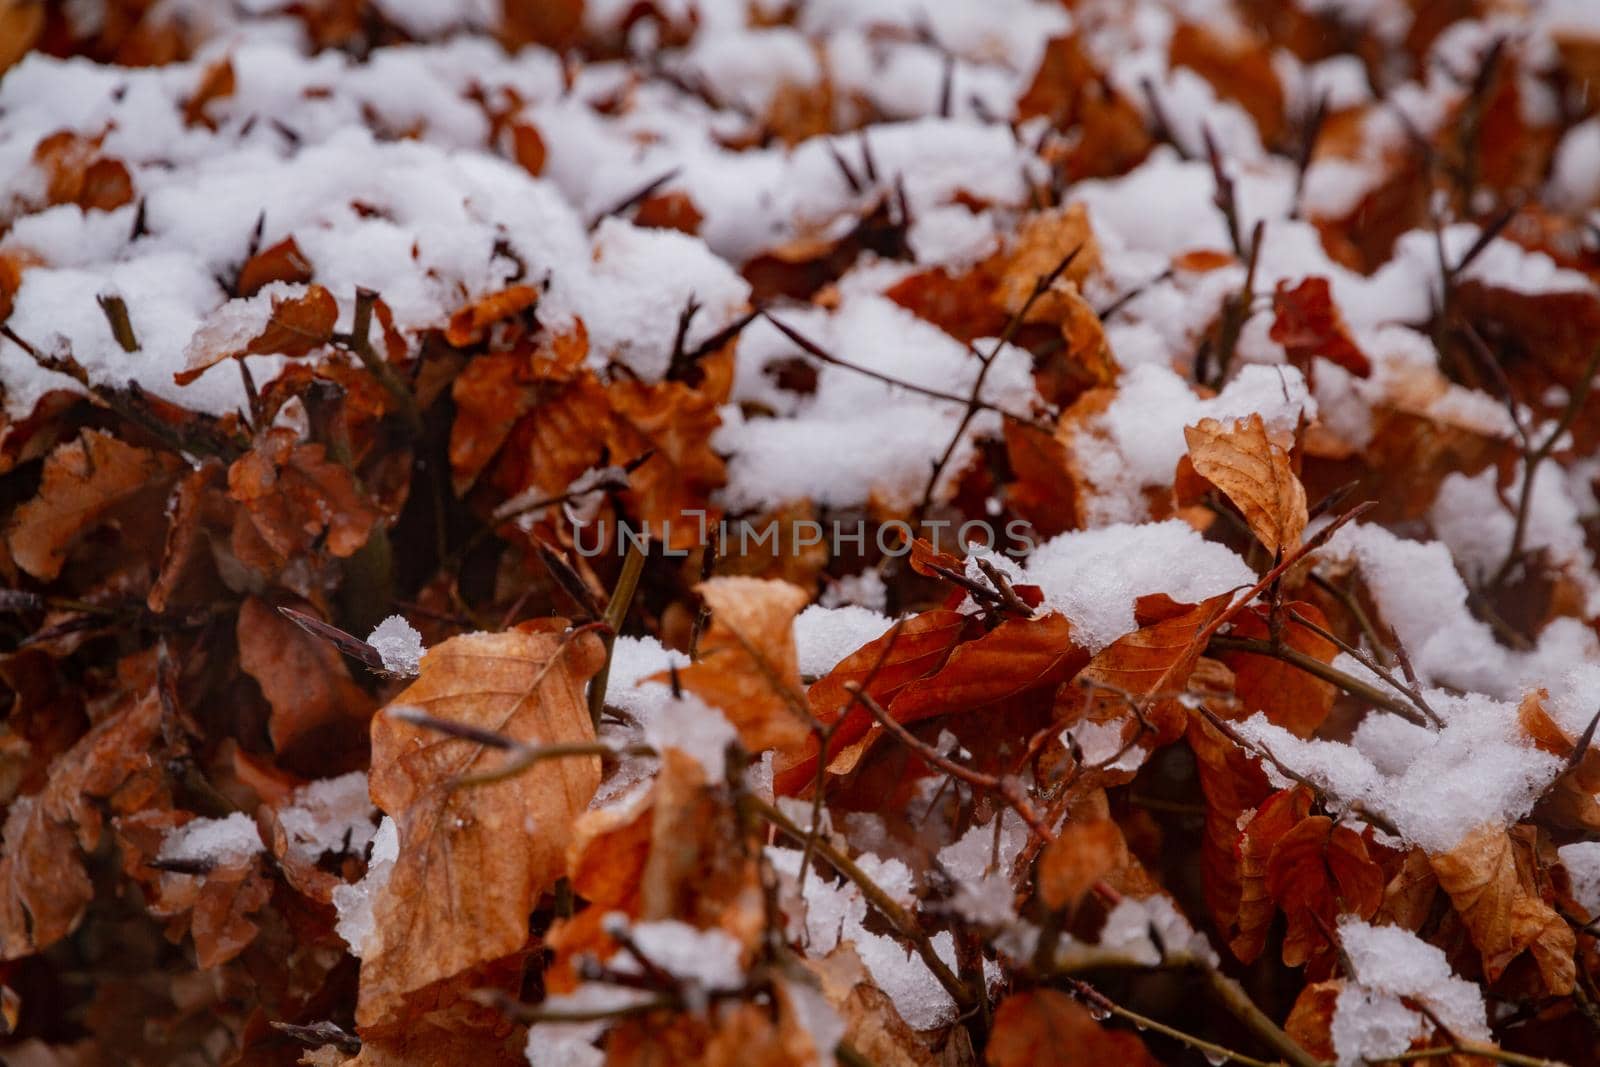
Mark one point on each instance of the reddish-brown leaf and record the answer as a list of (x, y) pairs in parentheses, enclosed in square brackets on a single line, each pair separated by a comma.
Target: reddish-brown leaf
[(1277, 815), (1307, 323), (882, 667), (283, 262), (294, 496), (1287, 695), (295, 326), (1156, 659), (1047, 1026), (1082, 854), (1317, 872), (1232, 783), (1015, 657), (85, 483), (316, 706)]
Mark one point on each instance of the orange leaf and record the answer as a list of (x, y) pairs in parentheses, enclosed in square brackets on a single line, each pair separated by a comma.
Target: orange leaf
[(1157, 658), (216, 83), (1569, 801), (1015, 657), (748, 665), (1232, 783), (85, 483), (1255, 474), (1287, 695), (474, 861), (294, 497), (1046, 1026), (1307, 323), (1081, 855), (1493, 889), (295, 326), (1317, 872), (283, 262), (883, 667), (1277, 815), (469, 324), (669, 211)]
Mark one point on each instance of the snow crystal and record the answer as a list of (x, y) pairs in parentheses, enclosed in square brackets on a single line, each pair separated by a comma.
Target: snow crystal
[(398, 644), (1435, 787), (1388, 962), (659, 719), (332, 815), (354, 903), (217, 842), (709, 957), (1093, 577), (572, 1044), (1149, 929), (824, 636), (1582, 861)]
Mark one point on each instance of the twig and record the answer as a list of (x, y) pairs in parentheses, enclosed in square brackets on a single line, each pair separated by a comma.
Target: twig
[(1212, 1051), (359, 341), (1325, 671), (116, 312), (1041, 285), (616, 612), (903, 921), (1412, 691)]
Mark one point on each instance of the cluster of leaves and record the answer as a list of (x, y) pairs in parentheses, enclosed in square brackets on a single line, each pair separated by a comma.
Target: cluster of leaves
[(157, 561)]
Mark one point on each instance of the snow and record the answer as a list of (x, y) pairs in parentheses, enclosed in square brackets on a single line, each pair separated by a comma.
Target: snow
[(1435, 787), (1582, 861), (213, 842), (1094, 577), (331, 815), (659, 719), (399, 644), (354, 903), (1370, 1021), (824, 636)]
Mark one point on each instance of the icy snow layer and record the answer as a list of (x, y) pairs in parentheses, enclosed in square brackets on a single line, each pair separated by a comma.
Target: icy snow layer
[(1370, 1022)]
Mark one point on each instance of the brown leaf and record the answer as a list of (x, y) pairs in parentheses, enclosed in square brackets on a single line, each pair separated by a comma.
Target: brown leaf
[(473, 861), (1238, 65), (527, 147), (1273, 820), (469, 324), (748, 665), (1320, 871), (1307, 323), (283, 262), (1081, 855), (1047, 1026), (1494, 892), (1569, 801), (1042, 242), (1232, 783), (295, 326), (1310, 1021), (294, 496), (1157, 658), (669, 211), (1287, 695), (216, 83), (43, 885), (314, 701), (1015, 657), (1255, 474), (84, 483), (20, 24), (883, 667)]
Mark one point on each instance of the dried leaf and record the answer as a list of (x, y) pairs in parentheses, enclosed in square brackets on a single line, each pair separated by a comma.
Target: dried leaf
[(294, 497), (473, 861), (1317, 872), (1287, 695), (748, 665), (469, 324), (1494, 892), (1015, 657), (1081, 855), (1307, 323), (1277, 815), (1047, 1026), (85, 482), (283, 262), (295, 326), (1156, 660), (314, 701), (1255, 474), (43, 885)]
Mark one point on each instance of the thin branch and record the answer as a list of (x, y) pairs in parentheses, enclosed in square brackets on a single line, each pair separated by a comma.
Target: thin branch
[(1325, 671), (1212, 1051), (359, 341), (616, 612)]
